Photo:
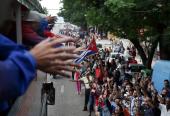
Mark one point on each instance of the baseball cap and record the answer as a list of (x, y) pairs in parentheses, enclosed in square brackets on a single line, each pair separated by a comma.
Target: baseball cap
[(33, 16)]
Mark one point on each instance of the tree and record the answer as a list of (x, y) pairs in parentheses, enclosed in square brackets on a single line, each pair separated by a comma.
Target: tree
[(131, 16), (136, 20), (45, 10), (74, 12)]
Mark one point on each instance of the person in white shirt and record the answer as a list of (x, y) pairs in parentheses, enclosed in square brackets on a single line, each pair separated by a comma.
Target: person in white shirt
[(165, 108), (87, 79)]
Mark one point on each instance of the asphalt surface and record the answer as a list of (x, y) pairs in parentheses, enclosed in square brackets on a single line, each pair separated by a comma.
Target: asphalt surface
[(30, 103), (67, 101)]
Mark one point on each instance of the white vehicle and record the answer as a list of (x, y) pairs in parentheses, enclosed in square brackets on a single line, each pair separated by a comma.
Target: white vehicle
[(113, 55), (102, 44), (116, 48)]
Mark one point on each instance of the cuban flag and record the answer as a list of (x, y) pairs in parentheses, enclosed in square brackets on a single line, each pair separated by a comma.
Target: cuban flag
[(91, 49)]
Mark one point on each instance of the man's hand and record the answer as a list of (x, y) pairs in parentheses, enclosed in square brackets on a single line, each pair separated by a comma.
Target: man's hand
[(51, 59)]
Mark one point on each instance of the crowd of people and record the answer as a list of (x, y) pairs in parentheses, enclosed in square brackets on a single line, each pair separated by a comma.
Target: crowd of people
[(111, 89)]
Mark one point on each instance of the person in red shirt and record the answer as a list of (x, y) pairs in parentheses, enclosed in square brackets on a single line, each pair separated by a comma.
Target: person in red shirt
[(30, 37), (98, 74), (132, 61), (30, 27)]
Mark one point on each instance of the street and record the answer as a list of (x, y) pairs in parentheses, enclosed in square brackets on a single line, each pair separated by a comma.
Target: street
[(67, 101)]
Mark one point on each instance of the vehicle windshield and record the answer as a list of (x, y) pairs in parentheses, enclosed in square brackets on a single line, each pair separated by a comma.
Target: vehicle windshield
[(99, 45), (136, 68), (113, 56)]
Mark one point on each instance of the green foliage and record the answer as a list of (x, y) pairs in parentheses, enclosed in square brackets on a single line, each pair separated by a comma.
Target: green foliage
[(125, 18), (117, 5), (74, 12), (45, 10)]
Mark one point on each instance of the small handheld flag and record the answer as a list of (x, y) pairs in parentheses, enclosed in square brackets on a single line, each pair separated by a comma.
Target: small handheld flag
[(91, 49)]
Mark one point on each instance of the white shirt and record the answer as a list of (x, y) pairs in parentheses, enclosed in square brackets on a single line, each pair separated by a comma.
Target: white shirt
[(86, 81), (164, 111)]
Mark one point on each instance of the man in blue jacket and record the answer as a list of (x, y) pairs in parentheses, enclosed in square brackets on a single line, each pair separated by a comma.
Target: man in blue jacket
[(18, 66)]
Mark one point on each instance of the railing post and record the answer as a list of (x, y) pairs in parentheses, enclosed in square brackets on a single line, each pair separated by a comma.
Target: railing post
[(44, 105), (19, 24)]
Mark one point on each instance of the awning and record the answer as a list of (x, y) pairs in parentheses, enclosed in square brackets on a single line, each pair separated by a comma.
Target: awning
[(32, 5)]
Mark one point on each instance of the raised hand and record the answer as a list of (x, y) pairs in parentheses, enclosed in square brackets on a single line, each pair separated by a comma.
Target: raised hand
[(52, 59)]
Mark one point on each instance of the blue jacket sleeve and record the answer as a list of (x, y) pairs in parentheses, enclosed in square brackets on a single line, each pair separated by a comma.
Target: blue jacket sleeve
[(16, 73), (7, 46)]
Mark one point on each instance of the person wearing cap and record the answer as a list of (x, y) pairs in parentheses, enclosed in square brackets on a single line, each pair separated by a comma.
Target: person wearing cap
[(30, 27), (46, 24), (18, 66), (35, 28), (87, 79)]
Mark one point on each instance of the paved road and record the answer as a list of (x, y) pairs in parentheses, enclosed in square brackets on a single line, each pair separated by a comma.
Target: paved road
[(30, 103), (67, 103)]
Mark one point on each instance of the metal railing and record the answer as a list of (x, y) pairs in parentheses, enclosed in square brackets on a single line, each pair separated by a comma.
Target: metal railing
[(44, 105)]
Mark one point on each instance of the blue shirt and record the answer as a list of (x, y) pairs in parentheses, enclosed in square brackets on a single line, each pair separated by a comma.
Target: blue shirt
[(17, 69)]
